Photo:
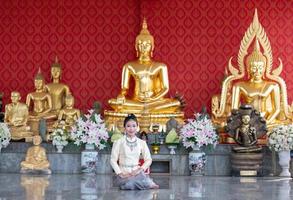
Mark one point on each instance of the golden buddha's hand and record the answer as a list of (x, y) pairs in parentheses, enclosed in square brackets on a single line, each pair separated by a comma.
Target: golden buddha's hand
[(148, 95), (18, 123), (121, 99)]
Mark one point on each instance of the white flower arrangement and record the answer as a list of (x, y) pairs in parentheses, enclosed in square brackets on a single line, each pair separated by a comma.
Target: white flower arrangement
[(198, 132), (90, 130), (5, 136), (60, 137), (281, 138)]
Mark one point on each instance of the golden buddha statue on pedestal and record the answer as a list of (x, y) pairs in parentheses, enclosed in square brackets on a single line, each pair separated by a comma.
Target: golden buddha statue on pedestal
[(16, 116), (57, 90), (262, 87), (42, 105), (148, 99), (36, 158), (68, 115)]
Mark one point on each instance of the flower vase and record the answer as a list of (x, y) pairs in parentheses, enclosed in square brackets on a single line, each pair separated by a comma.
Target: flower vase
[(59, 148), (197, 160), (284, 162), (89, 158)]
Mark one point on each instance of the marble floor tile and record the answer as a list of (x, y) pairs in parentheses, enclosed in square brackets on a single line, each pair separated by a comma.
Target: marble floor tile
[(90, 187)]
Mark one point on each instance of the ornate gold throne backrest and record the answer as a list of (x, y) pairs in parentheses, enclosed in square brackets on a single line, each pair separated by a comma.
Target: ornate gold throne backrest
[(221, 103)]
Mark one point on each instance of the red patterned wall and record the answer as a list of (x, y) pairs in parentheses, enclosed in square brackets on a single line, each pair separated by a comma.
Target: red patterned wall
[(94, 38)]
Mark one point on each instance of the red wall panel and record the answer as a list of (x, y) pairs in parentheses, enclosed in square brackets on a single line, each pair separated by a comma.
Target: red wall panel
[(197, 38), (93, 39)]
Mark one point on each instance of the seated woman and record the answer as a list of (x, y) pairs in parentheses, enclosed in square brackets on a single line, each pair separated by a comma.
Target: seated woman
[(127, 151)]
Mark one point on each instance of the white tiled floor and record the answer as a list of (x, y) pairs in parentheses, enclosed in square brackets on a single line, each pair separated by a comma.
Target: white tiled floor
[(63, 187)]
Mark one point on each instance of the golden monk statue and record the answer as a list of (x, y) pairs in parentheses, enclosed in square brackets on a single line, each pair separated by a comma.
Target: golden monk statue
[(68, 115), (261, 87), (57, 90), (36, 159), (42, 104), (16, 116), (151, 84)]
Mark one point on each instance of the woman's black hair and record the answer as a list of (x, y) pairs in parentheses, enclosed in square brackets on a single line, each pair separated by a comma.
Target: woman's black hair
[(130, 117)]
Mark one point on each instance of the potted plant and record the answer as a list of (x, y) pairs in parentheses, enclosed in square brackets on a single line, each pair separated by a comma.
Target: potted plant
[(60, 139), (281, 141), (5, 136), (91, 131), (195, 134)]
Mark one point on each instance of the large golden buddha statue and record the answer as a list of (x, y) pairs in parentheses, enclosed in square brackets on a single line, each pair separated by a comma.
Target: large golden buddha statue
[(151, 85), (261, 87), (41, 104), (16, 116), (57, 90)]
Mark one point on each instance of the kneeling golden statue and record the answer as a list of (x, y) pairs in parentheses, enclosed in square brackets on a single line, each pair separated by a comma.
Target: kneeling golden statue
[(151, 81), (36, 160), (261, 87), (16, 116)]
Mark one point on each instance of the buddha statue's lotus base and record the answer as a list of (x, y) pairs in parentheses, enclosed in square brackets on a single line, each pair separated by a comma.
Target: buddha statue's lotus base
[(146, 120), (35, 125)]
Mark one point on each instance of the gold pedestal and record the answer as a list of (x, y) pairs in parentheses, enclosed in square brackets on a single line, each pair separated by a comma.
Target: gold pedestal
[(34, 124), (145, 120)]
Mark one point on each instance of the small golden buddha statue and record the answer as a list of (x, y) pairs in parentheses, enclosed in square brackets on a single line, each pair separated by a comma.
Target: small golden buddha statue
[(57, 90), (263, 88), (41, 104), (16, 116), (36, 158), (68, 115), (151, 81)]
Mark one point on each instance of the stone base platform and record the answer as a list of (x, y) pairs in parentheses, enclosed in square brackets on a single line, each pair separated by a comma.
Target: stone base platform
[(68, 162)]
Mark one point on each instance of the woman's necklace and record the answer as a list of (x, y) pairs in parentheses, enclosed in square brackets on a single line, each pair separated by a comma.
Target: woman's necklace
[(131, 144)]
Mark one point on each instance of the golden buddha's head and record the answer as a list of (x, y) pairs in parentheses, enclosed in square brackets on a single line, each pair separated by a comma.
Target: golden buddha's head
[(15, 97), (56, 69), (37, 140), (144, 42), (256, 63), (69, 101), (39, 80)]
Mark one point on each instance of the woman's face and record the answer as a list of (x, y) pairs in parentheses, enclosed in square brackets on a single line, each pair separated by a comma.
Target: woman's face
[(131, 128)]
